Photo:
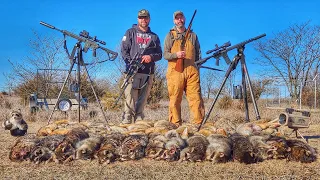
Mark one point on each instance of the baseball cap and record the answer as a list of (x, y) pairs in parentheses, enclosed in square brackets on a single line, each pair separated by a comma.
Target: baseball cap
[(176, 13), (143, 13)]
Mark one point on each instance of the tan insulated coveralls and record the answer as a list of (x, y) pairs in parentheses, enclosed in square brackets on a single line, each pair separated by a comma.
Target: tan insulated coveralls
[(188, 81)]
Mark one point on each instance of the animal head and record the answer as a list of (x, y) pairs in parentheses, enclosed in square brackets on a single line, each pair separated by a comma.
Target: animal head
[(107, 154), (63, 151), (84, 153), (41, 154), (133, 147), (16, 115), (192, 154), (173, 148), (86, 148), (215, 155), (279, 150), (171, 154)]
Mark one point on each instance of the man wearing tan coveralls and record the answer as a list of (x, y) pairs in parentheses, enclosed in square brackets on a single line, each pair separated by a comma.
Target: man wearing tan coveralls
[(188, 80)]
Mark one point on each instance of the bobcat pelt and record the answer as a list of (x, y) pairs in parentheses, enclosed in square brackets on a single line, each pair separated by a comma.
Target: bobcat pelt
[(41, 154), (280, 148), (16, 124), (173, 146), (109, 149), (133, 147), (196, 149), (301, 151), (44, 152), (86, 148), (66, 150), (219, 149), (22, 147)]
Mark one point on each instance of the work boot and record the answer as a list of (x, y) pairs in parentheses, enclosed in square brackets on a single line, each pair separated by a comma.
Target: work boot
[(139, 118), (126, 121)]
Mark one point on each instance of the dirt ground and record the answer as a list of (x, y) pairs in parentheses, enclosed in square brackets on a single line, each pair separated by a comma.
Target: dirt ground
[(151, 169)]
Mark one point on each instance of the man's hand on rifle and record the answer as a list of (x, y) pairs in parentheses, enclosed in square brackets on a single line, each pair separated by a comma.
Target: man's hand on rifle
[(181, 54), (146, 59)]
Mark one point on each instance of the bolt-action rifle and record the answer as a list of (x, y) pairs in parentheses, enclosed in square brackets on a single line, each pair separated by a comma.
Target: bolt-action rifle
[(179, 64)]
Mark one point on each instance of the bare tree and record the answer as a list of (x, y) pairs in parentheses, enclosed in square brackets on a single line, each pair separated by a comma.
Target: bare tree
[(46, 53), (292, 54), (209, 83)]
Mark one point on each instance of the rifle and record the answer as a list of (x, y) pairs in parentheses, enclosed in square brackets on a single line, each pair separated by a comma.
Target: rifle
[(90, 42), (135, 65), (179, 64), (222, 51)]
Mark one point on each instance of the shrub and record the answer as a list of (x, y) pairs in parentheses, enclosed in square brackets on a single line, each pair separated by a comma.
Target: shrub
[(225, 102), (108, 101)]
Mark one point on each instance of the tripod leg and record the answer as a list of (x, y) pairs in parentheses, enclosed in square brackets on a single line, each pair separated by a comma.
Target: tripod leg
[(80, 60), (97, 99), (244, 89), (243, 62), (232, 66), (301, 136), (64, 84)]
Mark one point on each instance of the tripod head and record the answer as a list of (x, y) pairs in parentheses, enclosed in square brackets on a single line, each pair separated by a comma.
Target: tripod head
[(222, 50), (89, 42)]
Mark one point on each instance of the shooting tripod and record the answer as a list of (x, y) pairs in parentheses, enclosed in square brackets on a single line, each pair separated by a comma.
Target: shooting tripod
[(89, 43), (78, 59), (238, 57)]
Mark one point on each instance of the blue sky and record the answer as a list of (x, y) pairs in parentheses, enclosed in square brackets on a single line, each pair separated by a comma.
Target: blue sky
[(216, 22)]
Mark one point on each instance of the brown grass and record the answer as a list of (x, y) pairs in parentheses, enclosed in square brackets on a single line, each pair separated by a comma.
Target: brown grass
[(151, 169)]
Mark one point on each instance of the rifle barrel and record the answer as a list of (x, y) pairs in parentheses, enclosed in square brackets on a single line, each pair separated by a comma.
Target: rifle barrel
[(195, 11), (245, 42), (46, 24), (219, 52)]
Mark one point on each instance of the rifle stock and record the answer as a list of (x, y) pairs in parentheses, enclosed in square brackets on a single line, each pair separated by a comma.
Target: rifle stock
[(179, 64)]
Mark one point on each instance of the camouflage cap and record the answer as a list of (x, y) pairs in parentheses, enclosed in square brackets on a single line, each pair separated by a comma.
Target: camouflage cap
[(176, 13), (143, 13)]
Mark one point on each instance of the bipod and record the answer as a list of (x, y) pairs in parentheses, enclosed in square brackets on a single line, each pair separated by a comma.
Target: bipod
[(245, 76), (78, 59)]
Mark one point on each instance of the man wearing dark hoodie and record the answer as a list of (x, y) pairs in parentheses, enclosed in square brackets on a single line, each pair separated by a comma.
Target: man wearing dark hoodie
[(139, 44)]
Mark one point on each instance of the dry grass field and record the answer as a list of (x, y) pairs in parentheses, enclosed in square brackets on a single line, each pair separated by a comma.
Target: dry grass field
[(151, 169)]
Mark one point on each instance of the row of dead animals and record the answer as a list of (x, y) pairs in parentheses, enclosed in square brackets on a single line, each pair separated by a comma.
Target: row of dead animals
[(77, 144)]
